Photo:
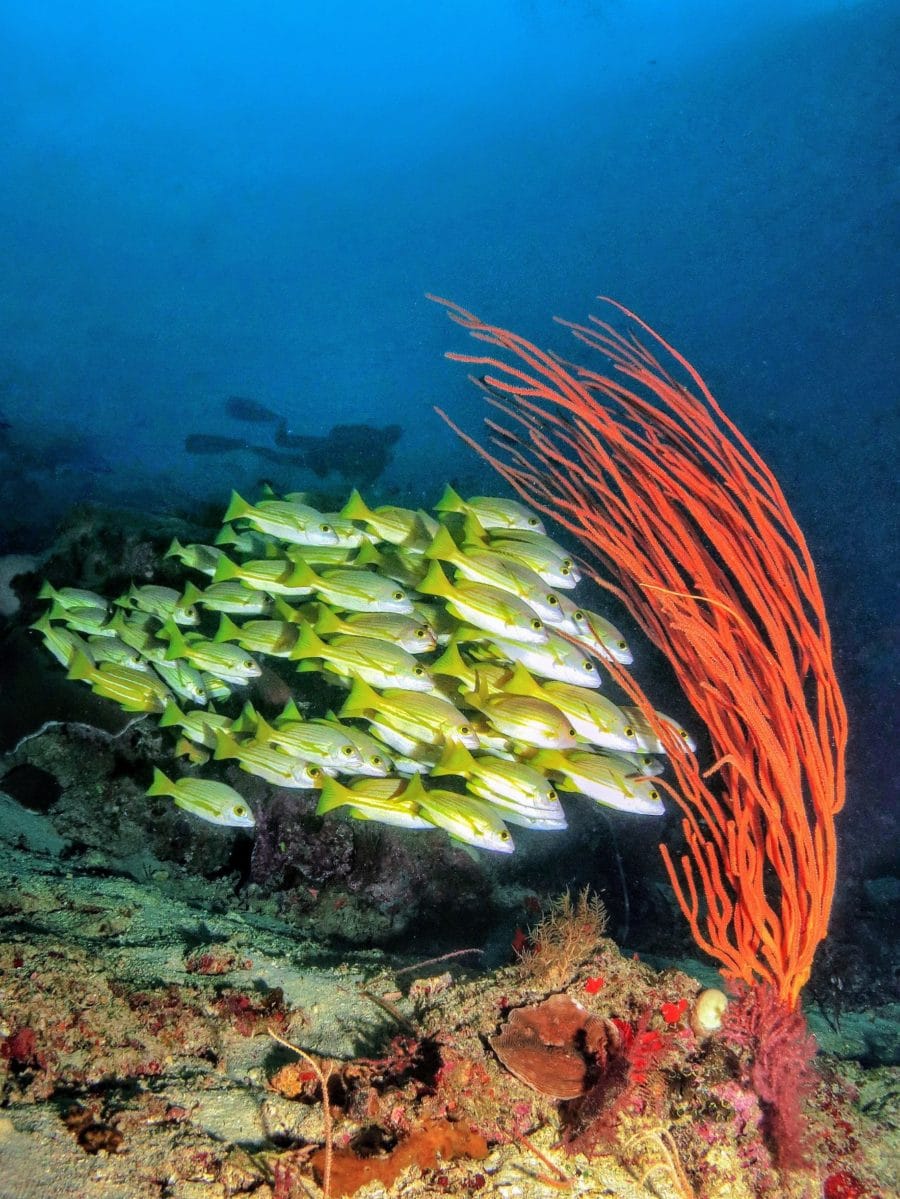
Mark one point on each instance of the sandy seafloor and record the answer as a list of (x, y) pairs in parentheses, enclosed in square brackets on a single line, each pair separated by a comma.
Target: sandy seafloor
[(179, 1063)]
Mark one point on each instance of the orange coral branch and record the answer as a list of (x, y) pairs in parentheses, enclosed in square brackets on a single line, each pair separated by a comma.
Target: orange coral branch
[(691, 529)]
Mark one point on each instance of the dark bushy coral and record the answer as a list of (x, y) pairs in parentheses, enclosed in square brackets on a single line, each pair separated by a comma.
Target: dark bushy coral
[(778, 1066)]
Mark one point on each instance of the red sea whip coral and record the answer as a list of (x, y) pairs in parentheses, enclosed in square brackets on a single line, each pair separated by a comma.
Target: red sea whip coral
[(692, 532)]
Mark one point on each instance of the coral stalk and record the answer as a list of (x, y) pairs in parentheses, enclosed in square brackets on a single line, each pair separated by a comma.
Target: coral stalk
[(688, 526)]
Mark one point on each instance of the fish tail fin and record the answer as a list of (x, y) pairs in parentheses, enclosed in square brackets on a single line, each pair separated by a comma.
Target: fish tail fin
[(453, 663), (282, 608), (237, 507), (226, 569), (455, 759), (80, 667), (308, 644), (185, 748), (474, 533), (190, 595), (415, 789), (356, 508), (327, 621), (435, 582), (247, 721), (361, 699), (443, 546), (302, 575), (177, 645), (48, 591), (227, 535), (161, 785), (227, 630), (521, 682), (333, 795), (264, 733), (175, 550), (548, 759), (226, 746), (450, 501), (368, 555), (171, 715), (290, 711)]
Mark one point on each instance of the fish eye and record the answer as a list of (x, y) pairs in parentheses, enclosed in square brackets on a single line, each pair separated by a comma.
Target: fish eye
[(567, 564), (565, 570), (347, 751), (622, 645), (398, 595), (551, 599), (628, 731), (536, 625), (654, 795), (551, 794), (532, 520), (420, 632), (239, 809), (504, 836), (418, 671), (464, 730), (313, 772), (572, 733), (588, 666), (376, 761), (249, 663), (683, 733), (326, 528)]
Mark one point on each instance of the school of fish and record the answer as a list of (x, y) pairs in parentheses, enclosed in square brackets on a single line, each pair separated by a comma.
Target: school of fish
[(469, 674)]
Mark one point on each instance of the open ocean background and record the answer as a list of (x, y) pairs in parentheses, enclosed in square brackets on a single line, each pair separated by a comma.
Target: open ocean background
[(206, 200)]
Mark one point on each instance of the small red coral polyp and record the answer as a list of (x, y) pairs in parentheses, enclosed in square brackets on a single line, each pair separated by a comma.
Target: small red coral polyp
[(20, 1047), (672, 1012), (593, 985), (843, 1185)]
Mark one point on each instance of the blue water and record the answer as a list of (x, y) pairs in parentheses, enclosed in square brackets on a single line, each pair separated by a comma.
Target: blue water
[(206, 200)]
